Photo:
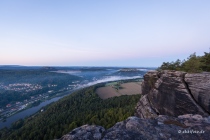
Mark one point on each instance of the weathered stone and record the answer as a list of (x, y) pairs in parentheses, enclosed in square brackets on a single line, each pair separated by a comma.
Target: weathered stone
[(149, 80), (163, 127), (199, 85), (168, 95), (144, 110), (85, 132), (172, 96)]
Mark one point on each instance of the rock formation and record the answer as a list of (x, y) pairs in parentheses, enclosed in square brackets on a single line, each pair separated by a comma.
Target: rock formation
[(192, 127), (175, 105), (85, 132), (174, 93), (199, 85)]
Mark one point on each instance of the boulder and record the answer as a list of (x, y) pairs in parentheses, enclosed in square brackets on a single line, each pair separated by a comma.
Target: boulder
[(85, 132), (163, 127)]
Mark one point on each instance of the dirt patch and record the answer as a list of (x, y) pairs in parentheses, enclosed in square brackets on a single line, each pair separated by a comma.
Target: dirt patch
[(126, 89)]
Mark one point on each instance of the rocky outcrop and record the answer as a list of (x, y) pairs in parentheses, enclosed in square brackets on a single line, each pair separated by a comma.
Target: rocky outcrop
[(175, 105), (149, 80), (199, 85), (174, 93), (189, 126), (144, 109), (85, 132)]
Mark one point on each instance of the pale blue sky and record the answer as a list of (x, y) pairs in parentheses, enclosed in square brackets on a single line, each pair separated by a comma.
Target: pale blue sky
[(102, 32)]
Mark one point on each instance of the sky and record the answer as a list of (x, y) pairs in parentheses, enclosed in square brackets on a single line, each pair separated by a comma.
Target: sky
[(141, 33)]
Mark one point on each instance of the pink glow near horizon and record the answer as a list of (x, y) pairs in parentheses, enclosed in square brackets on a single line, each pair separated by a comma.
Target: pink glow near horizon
[(138, 33)]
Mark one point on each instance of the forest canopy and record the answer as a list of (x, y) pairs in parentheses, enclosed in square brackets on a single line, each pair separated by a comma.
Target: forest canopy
[(79, 108), (193, 64)]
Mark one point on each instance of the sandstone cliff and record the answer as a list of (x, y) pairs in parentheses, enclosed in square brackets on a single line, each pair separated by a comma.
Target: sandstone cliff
[(174, 93), (175, 105)]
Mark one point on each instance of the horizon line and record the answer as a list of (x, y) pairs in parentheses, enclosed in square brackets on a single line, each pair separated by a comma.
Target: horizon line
[(71, 66)]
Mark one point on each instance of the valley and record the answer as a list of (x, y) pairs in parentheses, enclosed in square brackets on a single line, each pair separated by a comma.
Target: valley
[(25, 88), (83, 106)]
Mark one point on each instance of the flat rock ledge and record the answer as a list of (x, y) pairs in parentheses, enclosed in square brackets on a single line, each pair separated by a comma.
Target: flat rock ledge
[(184, 127)]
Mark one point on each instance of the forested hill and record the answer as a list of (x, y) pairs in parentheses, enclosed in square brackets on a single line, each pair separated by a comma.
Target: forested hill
[(193, 64), (79, 108)]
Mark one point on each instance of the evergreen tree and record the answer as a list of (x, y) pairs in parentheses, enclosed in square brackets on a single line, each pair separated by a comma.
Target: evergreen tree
[(193, 64)]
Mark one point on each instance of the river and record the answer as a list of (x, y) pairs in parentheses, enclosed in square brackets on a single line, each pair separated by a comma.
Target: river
[(92, 78), (28, 112)]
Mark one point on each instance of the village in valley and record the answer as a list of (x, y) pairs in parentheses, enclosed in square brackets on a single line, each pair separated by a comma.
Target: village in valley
[(25, 88)]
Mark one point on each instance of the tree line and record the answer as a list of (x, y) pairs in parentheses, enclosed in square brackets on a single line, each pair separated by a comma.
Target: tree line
[(193, 64)]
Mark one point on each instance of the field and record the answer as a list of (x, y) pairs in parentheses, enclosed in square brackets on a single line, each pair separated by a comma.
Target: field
[(113, 90)]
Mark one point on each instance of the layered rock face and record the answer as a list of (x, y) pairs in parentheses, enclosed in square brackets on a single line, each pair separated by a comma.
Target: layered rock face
[(174, 93), (199, 85), (192, 127)]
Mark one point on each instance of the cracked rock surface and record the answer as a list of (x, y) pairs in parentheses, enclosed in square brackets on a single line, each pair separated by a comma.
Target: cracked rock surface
[(199, 85), (174, 93), (85, 132), (192, 127)]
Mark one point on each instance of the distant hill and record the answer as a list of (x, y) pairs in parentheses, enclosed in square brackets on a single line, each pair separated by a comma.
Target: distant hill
[(128, 70), (48, 68), (17, 67)]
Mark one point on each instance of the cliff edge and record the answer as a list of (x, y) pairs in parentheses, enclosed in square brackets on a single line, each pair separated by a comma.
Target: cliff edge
[(175, 105), (174, 93)]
